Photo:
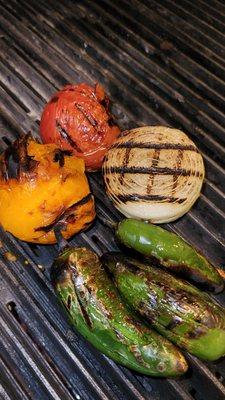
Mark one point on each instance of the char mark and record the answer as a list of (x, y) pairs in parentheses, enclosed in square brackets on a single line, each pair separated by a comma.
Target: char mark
[(88, 116), (175, 321), (84, 313), (155, 162), (160, 146), (16, 160), (4, 164), (150, 197), (178, 165), (196, 333), (105, 103), (54, 100), (66, 136), (59, 156), (125, 162), (65, 216), (153, 171), (111, 121), (80, 294)]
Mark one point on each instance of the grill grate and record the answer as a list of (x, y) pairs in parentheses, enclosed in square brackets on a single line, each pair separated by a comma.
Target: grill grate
[(161, 62)]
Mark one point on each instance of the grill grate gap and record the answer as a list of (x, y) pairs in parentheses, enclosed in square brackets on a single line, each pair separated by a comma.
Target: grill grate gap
[(193, 393), (219, 376), (7, 141)]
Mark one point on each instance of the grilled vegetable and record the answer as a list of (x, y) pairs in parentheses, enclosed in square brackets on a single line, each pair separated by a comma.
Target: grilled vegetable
[(42, 186), (97, 312), (178, 310), (170, 251), (77, 118), (153, 173)]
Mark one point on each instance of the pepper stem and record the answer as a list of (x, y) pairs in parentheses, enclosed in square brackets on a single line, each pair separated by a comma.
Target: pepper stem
[(62, 243), (110, 224)]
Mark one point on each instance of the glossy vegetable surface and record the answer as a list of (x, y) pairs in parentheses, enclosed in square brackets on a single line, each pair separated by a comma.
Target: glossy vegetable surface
[(97, 312), (170, 251), (77, 118), (178, 310), (47, 186)]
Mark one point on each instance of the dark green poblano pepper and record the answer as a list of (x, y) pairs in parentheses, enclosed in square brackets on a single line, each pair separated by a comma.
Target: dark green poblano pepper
[(170, 251), (175, 308), (97, 312)]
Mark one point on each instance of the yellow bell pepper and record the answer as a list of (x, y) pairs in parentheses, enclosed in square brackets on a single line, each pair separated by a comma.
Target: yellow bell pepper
[(48, 188)]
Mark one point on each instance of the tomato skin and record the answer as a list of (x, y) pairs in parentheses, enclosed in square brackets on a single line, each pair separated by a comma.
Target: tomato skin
[(77, 118)]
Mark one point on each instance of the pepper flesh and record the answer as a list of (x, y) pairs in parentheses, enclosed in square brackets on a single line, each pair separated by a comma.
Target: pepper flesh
[(97, 312), (175, 308), (170, 251)]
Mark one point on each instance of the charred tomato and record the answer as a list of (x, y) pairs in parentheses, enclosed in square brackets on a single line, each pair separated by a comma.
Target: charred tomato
[(78, 118)]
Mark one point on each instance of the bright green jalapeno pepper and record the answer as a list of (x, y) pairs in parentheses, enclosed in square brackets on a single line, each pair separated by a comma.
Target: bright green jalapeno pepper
[(98, 313), (177, 309), (170, 251)]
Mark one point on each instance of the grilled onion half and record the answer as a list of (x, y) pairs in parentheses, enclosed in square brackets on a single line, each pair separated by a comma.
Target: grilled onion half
[(153, 173)]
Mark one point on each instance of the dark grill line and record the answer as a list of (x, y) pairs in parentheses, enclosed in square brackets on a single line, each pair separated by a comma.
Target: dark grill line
[(61, 219), (65, 135), (161, 146), (151, 197), (153, 170), (180, 156), (155, 162), (88, 117), (125, 163)]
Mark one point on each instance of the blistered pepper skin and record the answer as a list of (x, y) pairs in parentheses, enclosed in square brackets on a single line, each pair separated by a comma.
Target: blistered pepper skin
[(175, 308), (170, 251), (97, 312)]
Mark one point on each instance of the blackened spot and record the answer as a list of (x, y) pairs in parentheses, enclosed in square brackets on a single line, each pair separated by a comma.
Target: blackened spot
[(66, 136), (87, 115), (85, 314), (105, 102), (180, 201), (59, 156), (147, 312), (54, 99), (111, 121), (83, 310), (69, 302), (71, 219), (119, 335), (173, 323), (24, 163), (63, 218), (196, 333)]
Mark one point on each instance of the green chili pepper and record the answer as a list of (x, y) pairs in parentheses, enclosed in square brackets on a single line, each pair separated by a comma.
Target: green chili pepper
[(170, 251), (178, 310), (97, 312)]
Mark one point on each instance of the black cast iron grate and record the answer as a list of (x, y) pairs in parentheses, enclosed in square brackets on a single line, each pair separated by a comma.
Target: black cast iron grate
[(162, 62)]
